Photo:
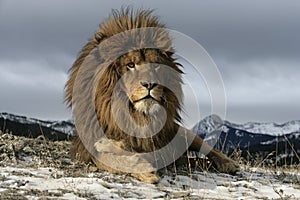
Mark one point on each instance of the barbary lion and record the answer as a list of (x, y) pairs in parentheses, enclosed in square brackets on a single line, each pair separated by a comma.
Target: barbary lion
[(125, 92)]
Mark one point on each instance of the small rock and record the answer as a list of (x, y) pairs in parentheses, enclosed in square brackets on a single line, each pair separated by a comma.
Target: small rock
[(93, 168), (28, 149), (19, 145)]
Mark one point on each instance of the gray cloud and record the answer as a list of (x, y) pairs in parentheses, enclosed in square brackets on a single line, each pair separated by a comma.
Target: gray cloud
[(27, 88), (242, 30), (255, 44), (264, 113), (263, 82), (238, 30)]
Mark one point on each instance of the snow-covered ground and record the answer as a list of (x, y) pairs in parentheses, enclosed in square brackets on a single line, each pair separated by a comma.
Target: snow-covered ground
[(51, 182), (37, 168)]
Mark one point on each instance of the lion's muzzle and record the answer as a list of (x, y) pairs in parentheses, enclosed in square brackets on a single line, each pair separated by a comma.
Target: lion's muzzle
[(147, 97)]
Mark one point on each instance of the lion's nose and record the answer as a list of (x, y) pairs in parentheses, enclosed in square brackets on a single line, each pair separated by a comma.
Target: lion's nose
[(148, 85)]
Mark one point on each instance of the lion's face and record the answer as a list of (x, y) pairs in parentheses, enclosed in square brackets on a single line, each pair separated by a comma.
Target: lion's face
[(144, 80)]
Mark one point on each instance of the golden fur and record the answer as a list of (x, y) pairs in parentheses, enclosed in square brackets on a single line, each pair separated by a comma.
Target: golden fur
[(133, 95)]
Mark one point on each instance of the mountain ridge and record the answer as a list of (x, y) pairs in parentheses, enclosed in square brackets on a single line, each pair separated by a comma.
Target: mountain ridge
[(31, 127), (268, 128), (227, 137)]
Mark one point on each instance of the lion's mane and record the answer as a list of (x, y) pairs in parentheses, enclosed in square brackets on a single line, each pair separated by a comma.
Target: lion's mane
[(88, 64)]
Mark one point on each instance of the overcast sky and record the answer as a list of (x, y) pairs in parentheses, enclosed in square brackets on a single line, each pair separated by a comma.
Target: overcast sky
[(255, 45)]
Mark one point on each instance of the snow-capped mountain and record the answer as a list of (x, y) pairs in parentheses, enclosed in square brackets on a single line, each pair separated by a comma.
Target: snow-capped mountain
[(269, 128), (252, 138), (21, 125), (214, 122), (208, 125)]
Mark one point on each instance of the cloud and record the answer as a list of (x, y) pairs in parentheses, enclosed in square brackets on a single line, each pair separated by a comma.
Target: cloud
[(27, 88), (267, 89), (264, 113), (255, 44), (241, 30), (235, 30), (263, 82)]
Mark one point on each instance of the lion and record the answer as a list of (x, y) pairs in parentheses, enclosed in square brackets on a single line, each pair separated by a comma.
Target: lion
[(125, 89)]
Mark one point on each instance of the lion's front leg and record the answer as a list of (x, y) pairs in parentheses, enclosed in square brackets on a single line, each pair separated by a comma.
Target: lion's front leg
[(110, 156), (126, 162), (220, 160)]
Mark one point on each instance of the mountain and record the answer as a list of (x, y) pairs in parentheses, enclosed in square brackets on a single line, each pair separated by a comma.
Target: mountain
[(269, 128), (279, 143), (30, 127)]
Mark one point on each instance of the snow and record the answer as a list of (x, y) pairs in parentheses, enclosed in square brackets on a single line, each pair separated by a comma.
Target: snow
[(72, 196), (269, 128), (208, 125), (274, 141), (225, 129), (249, 184)]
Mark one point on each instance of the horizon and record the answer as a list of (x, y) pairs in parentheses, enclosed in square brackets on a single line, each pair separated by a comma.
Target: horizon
[(205, 117)]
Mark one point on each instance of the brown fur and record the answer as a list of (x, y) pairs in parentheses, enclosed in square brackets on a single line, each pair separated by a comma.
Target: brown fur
[(89, 62)]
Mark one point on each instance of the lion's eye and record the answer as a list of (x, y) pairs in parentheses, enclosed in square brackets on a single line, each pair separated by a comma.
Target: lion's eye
[(130, 65)]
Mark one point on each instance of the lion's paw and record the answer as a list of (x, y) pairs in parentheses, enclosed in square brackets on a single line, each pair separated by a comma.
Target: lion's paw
[(226, 165), (147, 177)]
